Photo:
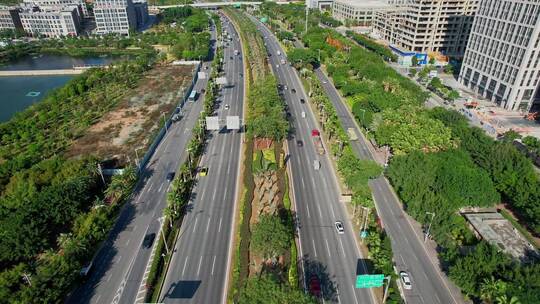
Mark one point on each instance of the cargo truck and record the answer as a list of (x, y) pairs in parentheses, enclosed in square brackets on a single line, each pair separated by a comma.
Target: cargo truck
[(316, 137)]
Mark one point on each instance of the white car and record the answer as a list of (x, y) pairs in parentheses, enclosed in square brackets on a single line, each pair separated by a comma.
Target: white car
[(226, 106), (405, 280), (339, 227)]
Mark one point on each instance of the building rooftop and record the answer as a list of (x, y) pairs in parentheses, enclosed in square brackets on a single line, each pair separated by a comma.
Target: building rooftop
[(498, 231), (366, 4)]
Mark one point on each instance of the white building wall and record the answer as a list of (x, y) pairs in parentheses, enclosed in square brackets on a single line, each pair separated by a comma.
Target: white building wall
[(114, 16), (502, 58)]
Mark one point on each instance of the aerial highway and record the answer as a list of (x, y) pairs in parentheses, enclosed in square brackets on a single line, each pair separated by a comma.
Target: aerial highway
[(410, 254), (119, 268), (334, 258), (199, 267)]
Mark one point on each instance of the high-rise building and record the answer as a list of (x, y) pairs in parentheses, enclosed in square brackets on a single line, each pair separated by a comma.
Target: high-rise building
[(502, 58), (51, 23), (141, 12), (115, 16), (360, 12), (424, 26), (9, 18)]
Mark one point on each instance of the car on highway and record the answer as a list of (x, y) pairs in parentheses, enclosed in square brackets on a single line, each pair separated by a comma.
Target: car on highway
[(231, 57), (148, 240), (302, 100), (170, 176), (203, 171), (339, 227), (299, 143), (315, 286), (226, 106), (293, 90), (405, 280)]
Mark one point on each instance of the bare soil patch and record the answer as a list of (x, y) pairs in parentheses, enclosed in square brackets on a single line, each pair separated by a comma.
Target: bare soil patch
[(137, 118)]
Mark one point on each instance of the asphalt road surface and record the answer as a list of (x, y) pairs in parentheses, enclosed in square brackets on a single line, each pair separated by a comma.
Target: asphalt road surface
[(199, 267), (333, 257), (119, 267), (430, 286)]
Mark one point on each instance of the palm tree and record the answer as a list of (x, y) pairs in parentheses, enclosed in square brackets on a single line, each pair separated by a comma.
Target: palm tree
[(503, 299), (491, 288)]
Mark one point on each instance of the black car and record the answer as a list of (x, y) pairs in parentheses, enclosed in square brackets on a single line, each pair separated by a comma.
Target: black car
[(230, 57), (149, 240), (170, 176), (299, 143), (293, 90), (302, 100)]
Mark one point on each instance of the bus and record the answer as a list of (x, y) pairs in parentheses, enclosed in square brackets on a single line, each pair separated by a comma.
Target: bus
[(192, 95)]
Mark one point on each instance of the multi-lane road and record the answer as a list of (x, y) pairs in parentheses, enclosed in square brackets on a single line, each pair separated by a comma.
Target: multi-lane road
[(333, 257), (410, 254), (120, 267), (199, 267)]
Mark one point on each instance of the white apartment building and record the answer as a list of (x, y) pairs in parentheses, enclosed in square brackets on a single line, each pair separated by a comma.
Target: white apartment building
[(320, 4), (9, 18), (53, 23), (360, 12), (115, 16), (502, 58), (54, 4), (424, 26)]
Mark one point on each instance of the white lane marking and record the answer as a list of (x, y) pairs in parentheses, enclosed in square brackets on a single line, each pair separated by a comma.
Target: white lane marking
[(127, 242), (214, 195), (160, 187), (213, 264), (208, 225), (354, 293), (225, 195), (342, 249), (119, 258), (219, 228), (199, 268), (139, 299), (320, 213), (109, 278), (185, 263), (97, 299), (314, 250), (302, 180), (307, 207), (327, 247), (332, 209), (337, 293), (195, 226), (436, 296), (150, 188)]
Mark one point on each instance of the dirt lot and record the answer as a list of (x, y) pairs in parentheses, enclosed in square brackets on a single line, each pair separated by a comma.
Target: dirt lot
[(137, 118)]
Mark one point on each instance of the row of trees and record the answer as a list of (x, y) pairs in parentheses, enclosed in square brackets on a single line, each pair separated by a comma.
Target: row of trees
[(272, 234), (442, 165)]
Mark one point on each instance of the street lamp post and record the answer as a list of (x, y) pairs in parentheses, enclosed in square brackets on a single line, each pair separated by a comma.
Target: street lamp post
[(164, 122), (429, 226), (137, 158), (160, 220)]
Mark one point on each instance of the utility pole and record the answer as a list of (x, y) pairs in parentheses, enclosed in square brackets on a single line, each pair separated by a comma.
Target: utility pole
[(429, 226), (388, 278), (307, 14)]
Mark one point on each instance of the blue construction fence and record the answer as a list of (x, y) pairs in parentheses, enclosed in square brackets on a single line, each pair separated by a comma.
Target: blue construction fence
[(163, 130)]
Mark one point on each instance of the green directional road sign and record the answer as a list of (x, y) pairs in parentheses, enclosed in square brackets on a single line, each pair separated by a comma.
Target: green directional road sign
[(369, 280)]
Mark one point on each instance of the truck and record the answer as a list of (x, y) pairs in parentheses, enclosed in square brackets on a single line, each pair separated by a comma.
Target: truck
[(316, 137), (352, 134)]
